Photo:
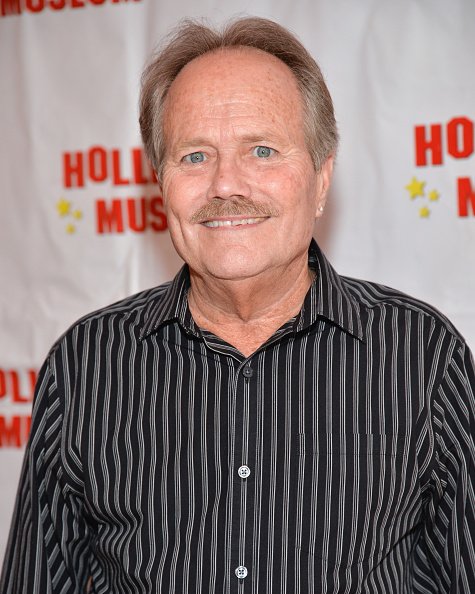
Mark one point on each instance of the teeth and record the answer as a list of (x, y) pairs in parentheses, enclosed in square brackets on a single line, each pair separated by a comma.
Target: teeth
[(234, 223)]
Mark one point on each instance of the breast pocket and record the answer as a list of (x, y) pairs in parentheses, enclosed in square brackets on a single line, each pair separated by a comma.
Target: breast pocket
[(354, 495)]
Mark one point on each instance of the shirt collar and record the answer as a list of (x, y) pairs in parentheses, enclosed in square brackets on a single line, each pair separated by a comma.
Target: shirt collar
[(170, 305), (328, 298)]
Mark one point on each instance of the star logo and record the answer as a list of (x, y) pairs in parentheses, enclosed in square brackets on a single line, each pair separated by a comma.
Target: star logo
[(64, 208), (424, 212), (415, 188)]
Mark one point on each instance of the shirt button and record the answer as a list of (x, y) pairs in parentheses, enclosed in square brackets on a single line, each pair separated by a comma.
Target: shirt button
[(247, 372), (244, 471), (241, 572)]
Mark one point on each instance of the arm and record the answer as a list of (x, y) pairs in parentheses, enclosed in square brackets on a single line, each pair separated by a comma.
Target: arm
[(47, 551), (445, 557)]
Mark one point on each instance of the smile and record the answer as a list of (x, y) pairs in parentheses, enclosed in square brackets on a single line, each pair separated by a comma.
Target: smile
[(233, 222)]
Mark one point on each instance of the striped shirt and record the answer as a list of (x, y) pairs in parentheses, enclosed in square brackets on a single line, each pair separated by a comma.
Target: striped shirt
[(337, 458)]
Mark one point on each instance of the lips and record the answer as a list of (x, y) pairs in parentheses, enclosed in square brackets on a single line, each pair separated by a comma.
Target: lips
[(233, 222)]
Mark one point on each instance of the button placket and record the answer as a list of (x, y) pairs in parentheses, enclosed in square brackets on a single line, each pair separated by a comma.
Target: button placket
[(243, 452)]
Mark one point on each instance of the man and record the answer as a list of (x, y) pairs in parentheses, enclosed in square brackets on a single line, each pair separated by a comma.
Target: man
[(260, 424)]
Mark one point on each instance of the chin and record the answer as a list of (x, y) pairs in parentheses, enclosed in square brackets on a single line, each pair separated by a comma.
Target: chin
[(229, 269)]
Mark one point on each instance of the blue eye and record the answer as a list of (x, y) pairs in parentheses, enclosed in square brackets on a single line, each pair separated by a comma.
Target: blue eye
[(263, 152), (197, 157)]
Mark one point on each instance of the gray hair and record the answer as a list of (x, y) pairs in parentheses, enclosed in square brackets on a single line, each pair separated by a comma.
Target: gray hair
[(192, 38)]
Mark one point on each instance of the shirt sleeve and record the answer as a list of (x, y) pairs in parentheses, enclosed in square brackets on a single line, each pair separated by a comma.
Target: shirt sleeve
[(445, 556), (47, 550)]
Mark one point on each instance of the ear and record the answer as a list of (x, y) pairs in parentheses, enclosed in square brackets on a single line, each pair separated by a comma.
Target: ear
[(323, 183)]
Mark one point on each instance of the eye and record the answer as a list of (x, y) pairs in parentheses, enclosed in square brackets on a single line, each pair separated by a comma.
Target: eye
[(197, 157), (263, 152)]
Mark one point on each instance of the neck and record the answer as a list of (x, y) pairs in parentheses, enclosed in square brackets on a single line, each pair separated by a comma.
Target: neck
[(247, 312)]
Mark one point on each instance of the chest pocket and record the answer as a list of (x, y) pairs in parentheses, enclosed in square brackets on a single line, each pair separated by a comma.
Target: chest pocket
[(356, 496)]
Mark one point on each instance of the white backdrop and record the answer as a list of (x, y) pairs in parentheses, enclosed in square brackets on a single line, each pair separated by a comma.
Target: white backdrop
[(81, 220)]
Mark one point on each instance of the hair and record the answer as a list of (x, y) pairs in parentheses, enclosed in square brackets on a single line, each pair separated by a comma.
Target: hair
[(192, 39)]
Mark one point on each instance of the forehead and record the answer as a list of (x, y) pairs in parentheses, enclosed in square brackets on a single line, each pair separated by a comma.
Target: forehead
[(235, 76)]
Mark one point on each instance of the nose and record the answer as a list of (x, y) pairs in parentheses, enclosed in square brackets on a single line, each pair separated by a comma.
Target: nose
[(229, 180)]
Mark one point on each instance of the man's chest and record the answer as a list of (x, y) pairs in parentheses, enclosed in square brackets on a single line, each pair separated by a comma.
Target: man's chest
[(302, 455)]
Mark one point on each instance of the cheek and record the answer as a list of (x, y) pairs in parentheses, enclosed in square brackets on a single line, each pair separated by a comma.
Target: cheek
[(180, 196), (287, 190), (274, 182)]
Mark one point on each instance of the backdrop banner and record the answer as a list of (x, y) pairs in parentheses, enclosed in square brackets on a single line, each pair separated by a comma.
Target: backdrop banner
[(82, 220)]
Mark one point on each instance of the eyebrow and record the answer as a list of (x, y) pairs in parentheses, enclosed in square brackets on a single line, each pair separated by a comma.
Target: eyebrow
[(251, 138), (198, 140), (247, 138)]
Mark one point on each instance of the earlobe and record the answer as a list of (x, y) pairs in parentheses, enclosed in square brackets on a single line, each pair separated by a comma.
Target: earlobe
[(320, 209)]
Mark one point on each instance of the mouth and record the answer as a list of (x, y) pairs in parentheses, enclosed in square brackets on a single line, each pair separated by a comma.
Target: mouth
[(233, 222)]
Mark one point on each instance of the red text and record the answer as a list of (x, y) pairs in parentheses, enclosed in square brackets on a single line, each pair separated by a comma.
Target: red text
[(458, 134), (97, 165), (135, 214), (18, 386), (14, 430), (466, 197), (11, 7)]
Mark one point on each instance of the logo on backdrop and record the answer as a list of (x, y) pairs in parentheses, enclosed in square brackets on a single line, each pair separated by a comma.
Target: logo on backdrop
[(16, 394), (16, 7), (435, 145), (125, 171)]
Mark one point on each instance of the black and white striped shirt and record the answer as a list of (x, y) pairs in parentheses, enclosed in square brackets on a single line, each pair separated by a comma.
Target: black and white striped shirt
[(338, 458)]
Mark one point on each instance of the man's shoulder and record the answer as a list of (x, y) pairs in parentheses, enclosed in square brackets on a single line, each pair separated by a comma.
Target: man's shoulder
[(133, 310), (371, 295), (135, 305)]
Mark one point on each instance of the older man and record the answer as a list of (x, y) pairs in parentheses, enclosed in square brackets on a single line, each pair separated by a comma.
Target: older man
[(260, 424)]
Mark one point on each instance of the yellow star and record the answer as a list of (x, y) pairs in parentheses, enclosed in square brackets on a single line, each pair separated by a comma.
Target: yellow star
[(77, 214), (424, 212), (433, 195), (415, 188), (70, 228), (63, 207)]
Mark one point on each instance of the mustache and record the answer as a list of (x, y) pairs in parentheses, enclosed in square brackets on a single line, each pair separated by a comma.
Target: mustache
[(233, 207)]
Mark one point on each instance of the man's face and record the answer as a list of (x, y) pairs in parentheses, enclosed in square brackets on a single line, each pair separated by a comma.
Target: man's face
[(239, 187)]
